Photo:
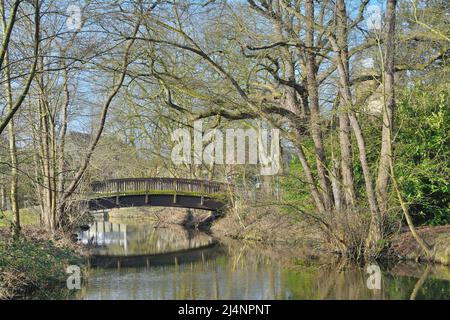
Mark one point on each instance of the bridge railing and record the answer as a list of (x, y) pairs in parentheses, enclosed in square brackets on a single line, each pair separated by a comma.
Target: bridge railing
[(144, 185)]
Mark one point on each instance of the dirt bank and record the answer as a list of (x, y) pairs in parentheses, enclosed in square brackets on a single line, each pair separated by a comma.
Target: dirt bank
[(160, 215), (404, 247)]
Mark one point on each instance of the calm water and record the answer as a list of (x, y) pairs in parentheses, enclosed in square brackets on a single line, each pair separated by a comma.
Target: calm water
[(140, 260)]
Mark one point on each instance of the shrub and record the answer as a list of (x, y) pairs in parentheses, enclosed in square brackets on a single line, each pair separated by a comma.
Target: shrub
[(34, 267), (422, 152)]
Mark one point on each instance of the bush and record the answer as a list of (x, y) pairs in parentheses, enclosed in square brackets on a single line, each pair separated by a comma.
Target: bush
[(422, 152), (34, 267)]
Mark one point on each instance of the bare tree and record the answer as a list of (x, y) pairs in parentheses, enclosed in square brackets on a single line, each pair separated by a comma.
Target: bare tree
[(13, 105), (8, 26)]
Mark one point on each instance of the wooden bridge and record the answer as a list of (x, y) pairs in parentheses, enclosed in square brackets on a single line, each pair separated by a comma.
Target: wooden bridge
[(165, 192)]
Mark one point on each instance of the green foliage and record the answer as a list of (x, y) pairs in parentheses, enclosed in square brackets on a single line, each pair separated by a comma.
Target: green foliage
[(421, 155), (296, 190), (34, 266), (422, 152), (294, 187)]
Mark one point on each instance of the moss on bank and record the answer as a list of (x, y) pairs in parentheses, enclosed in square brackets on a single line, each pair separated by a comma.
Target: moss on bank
[(33, 266)]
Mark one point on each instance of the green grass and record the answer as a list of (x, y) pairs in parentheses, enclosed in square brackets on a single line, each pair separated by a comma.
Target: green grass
[(27, 217)]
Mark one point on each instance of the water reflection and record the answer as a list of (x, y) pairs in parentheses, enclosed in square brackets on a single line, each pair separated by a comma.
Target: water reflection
[(120, 239), (105, 233), (233, 271)]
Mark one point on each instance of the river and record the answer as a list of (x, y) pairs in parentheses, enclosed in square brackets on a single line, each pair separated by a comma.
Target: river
[(137, 259)]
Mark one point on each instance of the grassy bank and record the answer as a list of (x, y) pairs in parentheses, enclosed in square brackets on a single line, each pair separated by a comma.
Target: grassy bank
[(28, 217), (35, 265)]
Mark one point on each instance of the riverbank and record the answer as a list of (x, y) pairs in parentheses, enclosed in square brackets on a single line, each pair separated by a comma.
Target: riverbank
[(34, 265), (404, 247), (269, 226), (298, 258)]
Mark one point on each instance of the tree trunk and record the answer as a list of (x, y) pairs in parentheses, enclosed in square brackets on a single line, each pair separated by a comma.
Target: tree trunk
[(386, 149), (335, 185), (345, 105), (292, 104), (60, 150), (309, 175), (388, 109), (13, 157), (313, 94), (47, 147), (46, 159), (12, 137), (374, 233), (346, 158), (7, 28), (2, 197)]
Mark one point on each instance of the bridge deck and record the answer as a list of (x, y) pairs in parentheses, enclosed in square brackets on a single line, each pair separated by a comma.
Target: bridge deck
[(174, 192), (118, 186)]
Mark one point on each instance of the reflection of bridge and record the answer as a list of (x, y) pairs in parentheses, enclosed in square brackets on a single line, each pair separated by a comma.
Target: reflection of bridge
[(105, 233), (207, 252), (165, 192), (108, 238), (116, 245)]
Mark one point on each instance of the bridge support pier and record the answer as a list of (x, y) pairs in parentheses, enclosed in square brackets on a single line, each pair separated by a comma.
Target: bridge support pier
[(206, 224)]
